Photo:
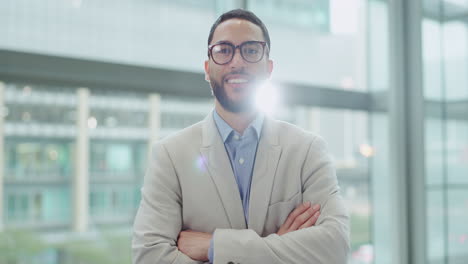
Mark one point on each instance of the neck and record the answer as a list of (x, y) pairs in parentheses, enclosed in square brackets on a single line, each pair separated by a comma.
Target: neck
[(238, 121)]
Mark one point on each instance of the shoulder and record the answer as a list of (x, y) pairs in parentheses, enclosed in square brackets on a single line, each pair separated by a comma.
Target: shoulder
[(188, 136)]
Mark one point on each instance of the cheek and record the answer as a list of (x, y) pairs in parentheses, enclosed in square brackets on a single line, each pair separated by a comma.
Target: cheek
[(216, 73), (261, 71)]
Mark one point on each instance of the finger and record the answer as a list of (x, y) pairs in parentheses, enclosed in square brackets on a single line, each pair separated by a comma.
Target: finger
[(315, 208), (311, 221), (301, 219), (298, 211)]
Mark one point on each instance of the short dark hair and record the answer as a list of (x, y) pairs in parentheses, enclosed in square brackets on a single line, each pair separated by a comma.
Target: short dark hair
[(240, 14)]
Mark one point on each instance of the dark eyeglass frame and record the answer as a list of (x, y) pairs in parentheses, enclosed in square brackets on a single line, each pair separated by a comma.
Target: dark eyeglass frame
[(234, 47)]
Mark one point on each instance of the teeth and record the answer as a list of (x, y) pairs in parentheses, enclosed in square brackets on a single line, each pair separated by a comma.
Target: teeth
[(237, 81)]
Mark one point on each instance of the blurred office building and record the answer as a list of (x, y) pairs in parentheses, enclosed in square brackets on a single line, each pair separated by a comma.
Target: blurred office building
[(86, 86)]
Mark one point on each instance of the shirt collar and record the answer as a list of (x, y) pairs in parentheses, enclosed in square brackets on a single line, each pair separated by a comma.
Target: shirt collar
[(225, 129)]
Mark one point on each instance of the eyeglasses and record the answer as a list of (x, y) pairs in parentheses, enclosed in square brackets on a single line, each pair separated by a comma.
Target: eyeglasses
[(251, 51)]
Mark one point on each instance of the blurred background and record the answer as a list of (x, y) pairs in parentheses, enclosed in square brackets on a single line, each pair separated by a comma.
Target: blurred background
[(85, 86)]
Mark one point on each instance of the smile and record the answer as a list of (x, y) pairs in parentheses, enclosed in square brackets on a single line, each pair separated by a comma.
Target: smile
[(237, 81)]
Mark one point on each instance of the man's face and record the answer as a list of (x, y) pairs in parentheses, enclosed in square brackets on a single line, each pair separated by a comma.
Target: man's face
[(235, 84)]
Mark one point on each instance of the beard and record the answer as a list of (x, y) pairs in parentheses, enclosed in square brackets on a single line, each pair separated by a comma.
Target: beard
[(219, 91)]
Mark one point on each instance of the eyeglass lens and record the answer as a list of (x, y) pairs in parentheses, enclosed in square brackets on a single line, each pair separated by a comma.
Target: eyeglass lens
[(224, 52)]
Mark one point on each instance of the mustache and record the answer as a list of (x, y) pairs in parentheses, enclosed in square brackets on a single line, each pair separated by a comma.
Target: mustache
[(241, 71), (238, 72)]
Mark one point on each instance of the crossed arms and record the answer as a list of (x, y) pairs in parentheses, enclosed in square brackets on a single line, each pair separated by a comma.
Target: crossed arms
[(196, 244), (159, 238)]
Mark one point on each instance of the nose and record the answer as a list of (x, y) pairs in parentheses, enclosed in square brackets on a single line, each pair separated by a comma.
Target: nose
[(237, 60)]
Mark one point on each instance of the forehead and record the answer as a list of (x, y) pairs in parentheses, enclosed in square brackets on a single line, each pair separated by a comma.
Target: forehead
[(237, 31)]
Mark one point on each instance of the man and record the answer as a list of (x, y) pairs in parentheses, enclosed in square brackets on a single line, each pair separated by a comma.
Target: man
[(239, 187)]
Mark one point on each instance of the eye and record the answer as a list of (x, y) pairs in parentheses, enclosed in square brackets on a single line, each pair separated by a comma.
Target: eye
[(222, 49), (251, 51)]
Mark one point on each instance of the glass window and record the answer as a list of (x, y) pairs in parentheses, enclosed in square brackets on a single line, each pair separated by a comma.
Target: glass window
[(457, 151), (445, 63), (435, 221), (136, 32), (39, 104), (118, 148), (56, 202), (313, 15), (38, 159), (347, 137), (434, 151), (328, 47), (11, 205), (333, 47), (457, 227), (18, 207), (110, 159)]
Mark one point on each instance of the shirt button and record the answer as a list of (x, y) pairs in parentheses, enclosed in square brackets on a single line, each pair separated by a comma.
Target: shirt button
[(241, 161), (236, 137)]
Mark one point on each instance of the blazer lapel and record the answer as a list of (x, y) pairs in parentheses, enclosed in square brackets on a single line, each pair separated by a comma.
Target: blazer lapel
[(266, 162), (216, 160)]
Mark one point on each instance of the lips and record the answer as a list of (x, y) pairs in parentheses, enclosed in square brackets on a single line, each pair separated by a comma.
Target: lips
[(236, 79)]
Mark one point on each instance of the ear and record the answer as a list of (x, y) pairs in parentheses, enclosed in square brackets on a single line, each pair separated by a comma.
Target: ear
[(270, 67), (207, 70)]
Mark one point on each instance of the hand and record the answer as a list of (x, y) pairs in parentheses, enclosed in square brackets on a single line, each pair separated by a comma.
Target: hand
[(194, 244), (303, 216)]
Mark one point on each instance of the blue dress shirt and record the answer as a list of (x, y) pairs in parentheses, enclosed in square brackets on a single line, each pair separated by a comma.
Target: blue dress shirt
[(241, 150)]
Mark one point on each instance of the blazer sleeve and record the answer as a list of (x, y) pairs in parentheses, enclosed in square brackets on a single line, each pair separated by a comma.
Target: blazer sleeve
[(326, 242), (159, 219)]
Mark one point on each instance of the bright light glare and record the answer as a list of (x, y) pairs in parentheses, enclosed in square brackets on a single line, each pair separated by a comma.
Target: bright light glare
[(92, 122), (366, 150), (267, 98), (344, 16)]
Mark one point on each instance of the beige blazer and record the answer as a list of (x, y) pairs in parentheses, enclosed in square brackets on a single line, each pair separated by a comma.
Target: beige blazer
[(190, 185)]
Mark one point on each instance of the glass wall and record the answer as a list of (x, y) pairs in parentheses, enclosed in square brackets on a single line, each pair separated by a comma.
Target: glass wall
[(136, 32), (341, 45), (317, 42), (347, 135), (118, 124), (39, 155), (382, 176), (445, 59)]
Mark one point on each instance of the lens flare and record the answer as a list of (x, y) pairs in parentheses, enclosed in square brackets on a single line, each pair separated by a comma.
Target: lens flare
[(201, 163), (366, 150), (267, 98)]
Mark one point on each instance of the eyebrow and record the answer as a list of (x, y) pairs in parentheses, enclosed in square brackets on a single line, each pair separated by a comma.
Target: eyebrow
[(222, 42), (229, 42)]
